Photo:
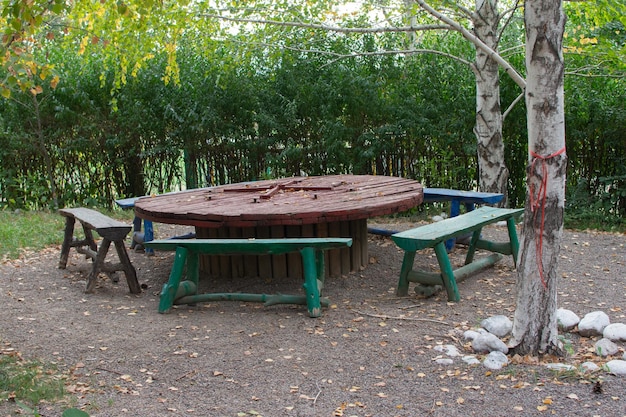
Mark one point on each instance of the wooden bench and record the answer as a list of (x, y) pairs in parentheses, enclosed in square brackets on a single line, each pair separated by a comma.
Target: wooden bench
[(469, 199), (434, 236), (110, 230), (457, 197), (178, 291), (129, 203)]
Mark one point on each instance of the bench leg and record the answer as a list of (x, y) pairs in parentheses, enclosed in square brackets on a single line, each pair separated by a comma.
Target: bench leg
[(310, 265), (471, 250), (321, 268), (89, 238), (510, 224), (67, 241), (128, 268), (168, 294), (407, 266), (98, 262), (447, 274), (148, 235), (455, 210)]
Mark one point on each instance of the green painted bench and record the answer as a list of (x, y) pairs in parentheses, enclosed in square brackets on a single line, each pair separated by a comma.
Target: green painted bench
[(179, 291), (434, 235), (110, 230)]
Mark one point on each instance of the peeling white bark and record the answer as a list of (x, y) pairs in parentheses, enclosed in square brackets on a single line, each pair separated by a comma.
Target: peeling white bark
[(493, 173), (535, 327)]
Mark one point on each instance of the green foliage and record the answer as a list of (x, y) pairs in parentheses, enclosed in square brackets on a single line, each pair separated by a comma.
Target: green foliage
[(28, 230), (29, 381), (271, 101), (597, 209), (74, 412)]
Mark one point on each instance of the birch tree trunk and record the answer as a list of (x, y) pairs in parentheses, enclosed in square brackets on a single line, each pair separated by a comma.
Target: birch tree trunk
[(493, 173), (535, 326)]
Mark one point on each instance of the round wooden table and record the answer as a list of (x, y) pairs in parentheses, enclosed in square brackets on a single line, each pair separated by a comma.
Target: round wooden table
[(332, 205)]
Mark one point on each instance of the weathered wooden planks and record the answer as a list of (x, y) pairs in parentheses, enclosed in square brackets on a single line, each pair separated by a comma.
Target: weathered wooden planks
[(333, 205)]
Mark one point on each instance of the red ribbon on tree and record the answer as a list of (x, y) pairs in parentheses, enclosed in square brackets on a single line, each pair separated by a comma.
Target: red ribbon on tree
[(538, 204)]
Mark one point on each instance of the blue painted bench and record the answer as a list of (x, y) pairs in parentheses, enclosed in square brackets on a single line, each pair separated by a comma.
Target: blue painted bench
[(434, 235), (179, 291), (129, 203), (456, 197)]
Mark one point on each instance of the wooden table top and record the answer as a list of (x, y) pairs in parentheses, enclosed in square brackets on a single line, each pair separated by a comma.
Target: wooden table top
[(285, 201)]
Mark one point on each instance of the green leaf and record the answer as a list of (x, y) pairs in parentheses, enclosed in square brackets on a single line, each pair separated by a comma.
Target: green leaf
[(74, 412)]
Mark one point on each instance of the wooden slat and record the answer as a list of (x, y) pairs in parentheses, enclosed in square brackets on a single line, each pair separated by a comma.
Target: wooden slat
[(224, 261), (321, 230), (237, 265), (334, 256), (294, 260), (251, 265), (264, 261), (279, 262), (345, 252)]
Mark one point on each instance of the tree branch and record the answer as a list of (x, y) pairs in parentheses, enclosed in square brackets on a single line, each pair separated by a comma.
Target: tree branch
[(517, 78), (331, 28), (513, 103), (404, 52)]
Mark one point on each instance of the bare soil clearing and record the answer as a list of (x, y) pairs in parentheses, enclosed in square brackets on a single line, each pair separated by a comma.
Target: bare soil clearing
[(370, 354)]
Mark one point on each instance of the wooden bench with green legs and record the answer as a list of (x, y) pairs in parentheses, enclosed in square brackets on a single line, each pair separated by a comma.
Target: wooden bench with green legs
[(179, 291), (434, 235)]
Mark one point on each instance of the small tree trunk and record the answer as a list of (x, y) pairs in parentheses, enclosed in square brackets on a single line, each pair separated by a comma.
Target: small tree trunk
[(535, 327), (41, 145), (493, 173)]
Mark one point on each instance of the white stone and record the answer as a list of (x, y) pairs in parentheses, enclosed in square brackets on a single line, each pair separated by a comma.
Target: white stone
[(449, 350), (437, 218), (615, 332), (560, 367), (498, 325), (593, 323), (495, 360), (471, 360), (489, 343), (590, 366), (444, 361), (566, 319), (616, 366), (605, 347), (470, 334)]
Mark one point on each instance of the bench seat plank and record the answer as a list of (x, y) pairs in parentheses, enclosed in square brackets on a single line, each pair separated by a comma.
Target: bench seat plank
[(428, 235), (466, 197), (105, 226), (179, 291), (250, 245)]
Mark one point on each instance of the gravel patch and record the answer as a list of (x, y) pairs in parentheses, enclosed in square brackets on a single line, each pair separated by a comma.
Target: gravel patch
[(370, 354)]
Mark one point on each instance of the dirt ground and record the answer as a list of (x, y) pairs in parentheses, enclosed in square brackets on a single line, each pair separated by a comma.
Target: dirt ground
[(370, 354)]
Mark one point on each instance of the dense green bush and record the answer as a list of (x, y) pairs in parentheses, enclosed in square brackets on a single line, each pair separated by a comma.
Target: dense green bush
[(237, 118)]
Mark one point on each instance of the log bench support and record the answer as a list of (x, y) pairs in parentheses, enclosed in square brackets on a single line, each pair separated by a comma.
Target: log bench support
[(110, 230), (179, 291), (434, 235)]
